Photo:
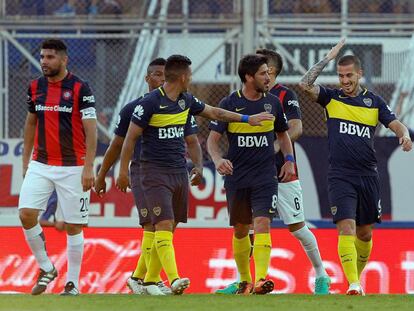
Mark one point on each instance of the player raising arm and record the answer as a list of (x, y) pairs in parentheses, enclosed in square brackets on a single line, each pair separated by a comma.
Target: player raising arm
[(353, 114), (290, 199)]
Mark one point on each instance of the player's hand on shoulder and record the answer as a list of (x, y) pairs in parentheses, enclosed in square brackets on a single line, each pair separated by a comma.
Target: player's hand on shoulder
[(224, 166), (196, 176), (335, 50), (100, 186), (406, 143), (287, 171), (88, 178), (122, 182), (256, 119)]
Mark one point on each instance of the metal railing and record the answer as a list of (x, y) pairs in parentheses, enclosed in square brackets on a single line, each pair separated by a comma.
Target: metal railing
[(103, 50)]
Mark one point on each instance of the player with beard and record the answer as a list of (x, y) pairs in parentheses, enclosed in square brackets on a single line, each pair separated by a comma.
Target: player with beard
[(250, 170), (159, 118), (290, 203), (353, 113), (61, 126)]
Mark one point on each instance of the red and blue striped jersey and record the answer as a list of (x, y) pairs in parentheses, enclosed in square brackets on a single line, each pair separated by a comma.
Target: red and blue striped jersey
[(59, 137)]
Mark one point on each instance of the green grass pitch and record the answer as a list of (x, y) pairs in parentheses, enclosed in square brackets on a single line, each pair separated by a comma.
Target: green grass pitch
[(206, 302)]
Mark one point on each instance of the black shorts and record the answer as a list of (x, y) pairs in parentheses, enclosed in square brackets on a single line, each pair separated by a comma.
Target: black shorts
[(136, 188), (355, 197), (166, 195), (248, 203)]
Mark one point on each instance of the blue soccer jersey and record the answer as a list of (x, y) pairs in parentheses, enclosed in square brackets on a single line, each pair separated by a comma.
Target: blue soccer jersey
[(164, 123), (251, 148), (124, 118), (290, 106), (351, 127)]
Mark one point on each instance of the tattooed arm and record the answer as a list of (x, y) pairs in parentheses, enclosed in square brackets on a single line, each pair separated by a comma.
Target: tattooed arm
[(306, 83)]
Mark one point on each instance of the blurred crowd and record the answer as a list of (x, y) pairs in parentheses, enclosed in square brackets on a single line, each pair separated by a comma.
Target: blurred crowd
[(334, 6), (200, 8), (64, 7)]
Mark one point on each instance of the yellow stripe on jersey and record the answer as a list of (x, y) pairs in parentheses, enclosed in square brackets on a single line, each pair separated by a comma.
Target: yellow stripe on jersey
[(161, 91), (238, 93), (245, 128), (342, 111), (162, 120)]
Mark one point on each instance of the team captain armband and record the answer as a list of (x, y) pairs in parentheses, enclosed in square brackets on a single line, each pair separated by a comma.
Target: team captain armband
[(88, 113), (290, 158), (245, 118)]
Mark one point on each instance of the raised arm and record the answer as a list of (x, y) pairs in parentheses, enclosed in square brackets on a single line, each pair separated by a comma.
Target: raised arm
[(402, 133), (306, 83)]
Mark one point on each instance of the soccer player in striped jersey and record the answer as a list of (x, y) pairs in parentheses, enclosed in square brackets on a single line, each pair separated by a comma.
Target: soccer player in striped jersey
[(353, 114), (154, 78), (290, 201), (61, 125), (250, 170), (159, 118)]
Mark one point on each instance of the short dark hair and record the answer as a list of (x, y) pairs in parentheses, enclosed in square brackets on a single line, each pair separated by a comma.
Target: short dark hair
[(175, 66), (156, 62), (250, 64), (273, 59), (54, 44), (349, 60)]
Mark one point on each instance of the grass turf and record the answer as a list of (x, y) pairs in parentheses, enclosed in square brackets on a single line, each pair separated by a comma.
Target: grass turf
[(206, 302)]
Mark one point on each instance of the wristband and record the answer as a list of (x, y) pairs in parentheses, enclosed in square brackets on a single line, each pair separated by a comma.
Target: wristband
[(290, 158), (245, 118)]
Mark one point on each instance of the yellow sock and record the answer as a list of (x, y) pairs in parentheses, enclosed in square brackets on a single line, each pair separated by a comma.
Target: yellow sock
[(363, 251), (143, 261), (154, 266), (261, 254), (165, 249), (241, 251), (348, 256)]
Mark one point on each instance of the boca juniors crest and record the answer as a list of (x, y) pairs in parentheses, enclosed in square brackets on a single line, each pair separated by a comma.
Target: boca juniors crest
[(367, 102), (181, 103)]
